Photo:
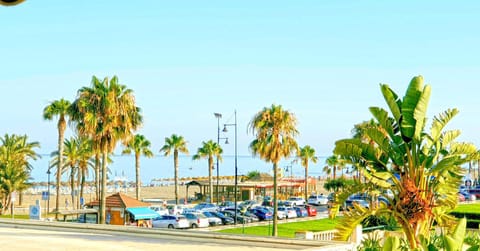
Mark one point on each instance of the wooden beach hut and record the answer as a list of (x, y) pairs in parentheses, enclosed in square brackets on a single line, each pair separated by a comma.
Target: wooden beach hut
[(124, 210)]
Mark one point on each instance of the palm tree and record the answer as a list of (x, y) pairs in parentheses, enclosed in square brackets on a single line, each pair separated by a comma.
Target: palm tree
[(106, 113), (58, 108), (423, 169), (209, 150), (335, 163), (177, 144), (15, 156), (327, 170), (85, 162), (140, 146), (275, 130), (305, 155)]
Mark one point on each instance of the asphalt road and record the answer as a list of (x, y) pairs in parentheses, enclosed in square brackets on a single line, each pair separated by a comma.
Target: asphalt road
[(20, 238)]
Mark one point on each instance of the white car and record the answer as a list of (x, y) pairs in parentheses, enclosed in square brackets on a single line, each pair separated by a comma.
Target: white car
[(295, 201), (175, 209), (288, 211), (212, 219), (170, 221), (197, 220), (159, 209), (318, 200)]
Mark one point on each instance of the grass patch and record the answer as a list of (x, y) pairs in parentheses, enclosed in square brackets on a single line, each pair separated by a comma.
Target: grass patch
[(286, 229), (20, 217), (468, 208)]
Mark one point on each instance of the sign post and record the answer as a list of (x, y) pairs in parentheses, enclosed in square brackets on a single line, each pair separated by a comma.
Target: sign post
[(45, 196)]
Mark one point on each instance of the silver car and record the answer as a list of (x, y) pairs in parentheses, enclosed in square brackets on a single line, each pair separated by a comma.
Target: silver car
[(196, 220), (170, 221)]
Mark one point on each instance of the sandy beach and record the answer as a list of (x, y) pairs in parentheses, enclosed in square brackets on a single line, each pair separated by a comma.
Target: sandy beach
[(158, 192)]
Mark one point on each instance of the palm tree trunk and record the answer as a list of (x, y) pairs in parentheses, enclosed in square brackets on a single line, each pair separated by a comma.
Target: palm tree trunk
[(82, 183), (103, 190), (72, 186), (334, 172), (77, 186), (97, 175), (210, 184), (137, 174), (61, 130), (306, 182), (275, 204), (175, 163)]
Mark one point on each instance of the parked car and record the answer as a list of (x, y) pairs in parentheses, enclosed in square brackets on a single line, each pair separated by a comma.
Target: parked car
[(318, 200), (301, 211), (170, 221), (225, 219), (294, 201), (262, 213), (212, 219), (249, 204), (240, 218), (468, 196), (280, 214), (202, 207), (289, 212), (196, 220), (161, 210), (175, 209), (312, 211), (360, 200), (226, 204)]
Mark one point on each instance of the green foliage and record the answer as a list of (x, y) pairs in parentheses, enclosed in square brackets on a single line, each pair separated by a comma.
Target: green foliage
[(252, 174), (423, 169), (371, 243), (391, 243), (337, 184), (286, 229)]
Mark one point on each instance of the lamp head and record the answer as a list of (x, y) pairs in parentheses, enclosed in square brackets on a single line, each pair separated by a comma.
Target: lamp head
[(224, 128), (226, 141), (217, 115)]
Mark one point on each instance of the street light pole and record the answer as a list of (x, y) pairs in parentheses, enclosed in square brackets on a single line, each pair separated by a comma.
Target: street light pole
[(236, 167), (48, 191), (218, 116)]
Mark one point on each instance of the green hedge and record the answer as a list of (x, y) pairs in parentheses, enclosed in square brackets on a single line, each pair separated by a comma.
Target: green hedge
[(469, 211)]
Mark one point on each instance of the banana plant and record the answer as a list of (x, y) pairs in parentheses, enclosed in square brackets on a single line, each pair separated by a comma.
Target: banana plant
[(422, 168)]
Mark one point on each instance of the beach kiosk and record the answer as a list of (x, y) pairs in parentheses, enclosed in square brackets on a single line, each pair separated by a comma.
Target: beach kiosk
[(124, 210)]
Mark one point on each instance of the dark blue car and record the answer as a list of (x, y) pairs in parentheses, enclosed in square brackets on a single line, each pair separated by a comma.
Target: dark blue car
[(262, 213)]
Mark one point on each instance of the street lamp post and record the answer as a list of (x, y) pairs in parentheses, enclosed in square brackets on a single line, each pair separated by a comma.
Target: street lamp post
[(236, 168), (218, 116), (48, 191), (291, 177)]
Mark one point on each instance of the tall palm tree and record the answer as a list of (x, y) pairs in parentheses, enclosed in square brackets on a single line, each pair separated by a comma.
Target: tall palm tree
[(275, 131), (176, 144), (423, 169), (209, 150), (327, 170), (106, 113), (85, 162), (15, 156), (140, 146), (58, 108), (335, 163), (305, 155)]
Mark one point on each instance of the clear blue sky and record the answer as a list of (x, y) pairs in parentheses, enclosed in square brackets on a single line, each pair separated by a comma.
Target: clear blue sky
[(185, 60)]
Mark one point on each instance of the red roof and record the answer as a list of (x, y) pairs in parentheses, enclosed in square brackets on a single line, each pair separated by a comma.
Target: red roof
[(120, 200)]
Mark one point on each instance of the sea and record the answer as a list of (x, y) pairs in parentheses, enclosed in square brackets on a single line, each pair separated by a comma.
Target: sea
[(160, 167)]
